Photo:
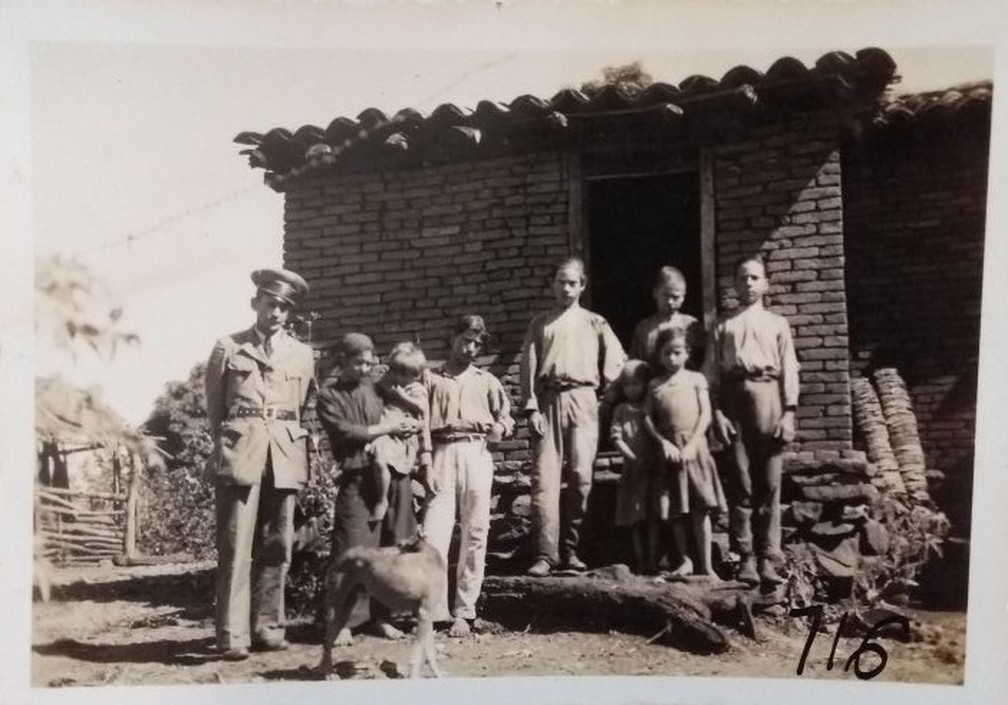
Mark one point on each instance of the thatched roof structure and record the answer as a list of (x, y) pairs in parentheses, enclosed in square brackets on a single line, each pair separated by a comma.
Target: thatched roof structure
[(71, 416)]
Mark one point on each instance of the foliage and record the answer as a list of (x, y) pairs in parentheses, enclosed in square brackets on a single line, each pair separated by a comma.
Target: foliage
[(916, 534), (313, 527), (74, 308), (178, 499), (77, 308), (631, 78), (178, 512)]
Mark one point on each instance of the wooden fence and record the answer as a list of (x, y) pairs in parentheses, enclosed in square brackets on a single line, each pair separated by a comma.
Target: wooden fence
[(82, 527)]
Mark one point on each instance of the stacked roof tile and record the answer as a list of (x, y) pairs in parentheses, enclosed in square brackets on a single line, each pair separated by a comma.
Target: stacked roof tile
[(938, 106), (837, 75)]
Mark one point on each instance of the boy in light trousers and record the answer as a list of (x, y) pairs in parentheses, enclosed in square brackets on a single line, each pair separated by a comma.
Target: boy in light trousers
[(468, 408)]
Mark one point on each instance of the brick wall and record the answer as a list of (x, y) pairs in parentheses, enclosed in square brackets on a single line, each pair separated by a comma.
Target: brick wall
[(400, 254), (915, 209), (778, 192)]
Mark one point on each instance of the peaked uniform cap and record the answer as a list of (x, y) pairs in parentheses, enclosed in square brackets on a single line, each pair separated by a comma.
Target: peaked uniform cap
[(282, 283)]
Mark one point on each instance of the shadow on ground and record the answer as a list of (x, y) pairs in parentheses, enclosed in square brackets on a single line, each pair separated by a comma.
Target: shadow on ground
[(192, 592), (171, 652)]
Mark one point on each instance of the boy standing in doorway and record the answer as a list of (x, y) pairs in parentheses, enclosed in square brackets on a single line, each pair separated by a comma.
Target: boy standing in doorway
[(569, 354)]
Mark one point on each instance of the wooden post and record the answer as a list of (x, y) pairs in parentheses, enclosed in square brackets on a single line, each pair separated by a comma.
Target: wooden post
[(129, 539), (708, 244), (44, 474), (60, 475), (116, 472)]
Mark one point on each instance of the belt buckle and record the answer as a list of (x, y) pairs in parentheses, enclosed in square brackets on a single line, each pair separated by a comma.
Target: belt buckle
[(269, 412)]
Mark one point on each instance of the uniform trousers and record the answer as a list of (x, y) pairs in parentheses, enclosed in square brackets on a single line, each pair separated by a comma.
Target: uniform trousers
[(255, 531), (462, 477), (570, 439), (753, 480)]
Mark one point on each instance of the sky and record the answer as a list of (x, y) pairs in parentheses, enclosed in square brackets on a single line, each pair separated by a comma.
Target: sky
[(117, 121), (134, 172)]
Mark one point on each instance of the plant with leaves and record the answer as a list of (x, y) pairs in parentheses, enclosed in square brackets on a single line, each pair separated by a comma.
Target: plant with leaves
[(916, 535), (630, 78), (178, 499), (77, 309)]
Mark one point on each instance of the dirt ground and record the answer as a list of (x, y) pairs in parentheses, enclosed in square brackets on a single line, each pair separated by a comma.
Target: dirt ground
[(153, 625)]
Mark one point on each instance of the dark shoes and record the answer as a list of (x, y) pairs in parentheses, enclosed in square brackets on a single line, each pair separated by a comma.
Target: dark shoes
[(270, 644), (768, 574), (542, 567), (575, 563), (747, 571)]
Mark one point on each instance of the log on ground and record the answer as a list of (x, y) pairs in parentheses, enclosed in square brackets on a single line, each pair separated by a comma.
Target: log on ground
[(626, 605)]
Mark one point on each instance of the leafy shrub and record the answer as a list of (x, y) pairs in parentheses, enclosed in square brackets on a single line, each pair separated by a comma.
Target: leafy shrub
[(916, 534), (177, 501)]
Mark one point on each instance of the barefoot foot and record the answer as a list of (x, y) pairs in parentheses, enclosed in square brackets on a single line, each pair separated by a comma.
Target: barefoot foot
[(459, 628), (343, 638), (379, 511), (684, 568), (711, 577), (385, 630)]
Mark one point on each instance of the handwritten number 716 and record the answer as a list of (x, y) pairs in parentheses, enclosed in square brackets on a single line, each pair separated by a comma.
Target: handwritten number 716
[(867, 645)]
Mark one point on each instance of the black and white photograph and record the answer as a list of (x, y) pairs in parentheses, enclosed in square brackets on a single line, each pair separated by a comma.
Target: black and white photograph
[(570, 351)]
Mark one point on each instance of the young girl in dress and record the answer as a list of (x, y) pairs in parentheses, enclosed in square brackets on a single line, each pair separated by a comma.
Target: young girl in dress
[(634, 497), (677, 414)]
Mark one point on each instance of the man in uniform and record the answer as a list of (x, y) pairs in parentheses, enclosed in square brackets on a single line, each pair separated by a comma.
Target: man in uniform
[(258, 382)]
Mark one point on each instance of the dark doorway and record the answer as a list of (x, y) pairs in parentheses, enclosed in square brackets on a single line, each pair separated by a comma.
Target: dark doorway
[(635, 226)]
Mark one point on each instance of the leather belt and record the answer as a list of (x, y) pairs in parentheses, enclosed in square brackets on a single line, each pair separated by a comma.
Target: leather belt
[(739, 376), (452, 437), (266, 412), (562, 385)]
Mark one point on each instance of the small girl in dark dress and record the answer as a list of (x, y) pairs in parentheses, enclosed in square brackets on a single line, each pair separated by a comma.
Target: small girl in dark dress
[(634, 498)]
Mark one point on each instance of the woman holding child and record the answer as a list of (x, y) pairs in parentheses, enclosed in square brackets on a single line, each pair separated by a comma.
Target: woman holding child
[(350, 408)]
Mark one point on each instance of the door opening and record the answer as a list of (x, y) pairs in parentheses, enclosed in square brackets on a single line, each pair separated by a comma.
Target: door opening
[(637, 225)]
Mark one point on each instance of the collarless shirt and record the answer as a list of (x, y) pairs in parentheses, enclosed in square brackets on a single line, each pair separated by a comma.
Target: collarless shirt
[(755, 342), (571, 346), (471, 401)]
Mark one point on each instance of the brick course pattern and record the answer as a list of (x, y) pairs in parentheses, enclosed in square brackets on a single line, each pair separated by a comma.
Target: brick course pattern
[(400, 254), (778, 193), (915, 227)]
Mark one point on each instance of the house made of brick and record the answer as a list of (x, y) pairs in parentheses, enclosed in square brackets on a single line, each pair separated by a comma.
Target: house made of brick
[(868, 210)]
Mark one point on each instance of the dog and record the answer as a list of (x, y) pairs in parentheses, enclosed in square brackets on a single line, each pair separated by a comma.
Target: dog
[(407, 577)]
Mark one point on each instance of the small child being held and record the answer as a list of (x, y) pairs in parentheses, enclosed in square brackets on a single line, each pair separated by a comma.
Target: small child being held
[(634, 498), (678, 413), (405, 396)]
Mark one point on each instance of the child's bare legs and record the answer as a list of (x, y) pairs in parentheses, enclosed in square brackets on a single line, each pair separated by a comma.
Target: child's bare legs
[(384, 475), (681, 540), (702, 537)]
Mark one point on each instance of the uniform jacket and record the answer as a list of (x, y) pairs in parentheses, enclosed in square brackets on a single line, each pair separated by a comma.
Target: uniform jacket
[(239, 375)]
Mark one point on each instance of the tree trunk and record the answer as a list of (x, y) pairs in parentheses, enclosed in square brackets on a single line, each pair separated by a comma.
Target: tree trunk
[(685, 611)]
